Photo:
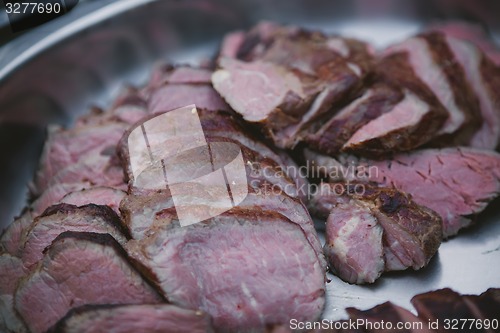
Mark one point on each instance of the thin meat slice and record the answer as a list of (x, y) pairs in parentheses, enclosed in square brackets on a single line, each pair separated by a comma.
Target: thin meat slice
[(455, 182), (290, 78), (63, 217), (14, 236), (11, 271), (87, 268), (149, 318), (472, 33), (387, 313), (483, 78), (375, 101), (98, 195), (54, 194), (211, 266), (66, 147), (370, 230), (409, 124)]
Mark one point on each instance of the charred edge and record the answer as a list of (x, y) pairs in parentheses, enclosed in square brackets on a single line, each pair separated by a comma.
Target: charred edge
[(108, 214)]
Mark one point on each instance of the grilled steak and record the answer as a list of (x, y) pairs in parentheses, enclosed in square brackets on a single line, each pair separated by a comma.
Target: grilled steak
[(370, 230), (86, 268), (132, 319), (63, 217), (54, 194), (290, 77)]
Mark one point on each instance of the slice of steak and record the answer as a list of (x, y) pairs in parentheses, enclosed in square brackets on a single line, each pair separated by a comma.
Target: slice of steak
[(14, 236), (376, 100), (11, 271), (391, 315), (231, 44), (370, 230), (484, 306), (409, 124), (54, 194), (98, 195), (457, 183), (66, 147), (471, 33), (148, 318), (302, 75), (483, 78), (79, 269), (64, 217), (425, 56), (212, 266), (460, 101)]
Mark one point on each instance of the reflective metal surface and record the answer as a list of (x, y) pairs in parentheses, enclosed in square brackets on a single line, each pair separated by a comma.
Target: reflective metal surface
[(57, 71)]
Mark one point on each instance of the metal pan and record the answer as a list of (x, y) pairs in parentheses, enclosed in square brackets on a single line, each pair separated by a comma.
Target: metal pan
[(57, 71)]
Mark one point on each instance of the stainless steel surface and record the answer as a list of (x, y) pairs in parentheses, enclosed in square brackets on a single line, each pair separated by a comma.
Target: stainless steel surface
[(53, 73)]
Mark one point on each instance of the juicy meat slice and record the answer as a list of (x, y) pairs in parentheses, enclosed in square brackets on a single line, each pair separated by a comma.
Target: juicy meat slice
[(54, 194), (66, 147), (290, 78), (389, 313), (14, 236), (211, 266), (354, 244), (173, 96), (11, 271), (63, 217), (454, 182), (472, 33), (375, 101), (371, 229), (483, 77), (149, 318), (86, 268), (98, 195), (409, 124)]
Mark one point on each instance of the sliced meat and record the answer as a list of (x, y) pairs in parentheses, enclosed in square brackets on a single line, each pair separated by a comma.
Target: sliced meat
[(87, 268), (409, 124), (66, 147), (133, 318), (99, 195), (291, 78), (470, 32), (63, 217), (231, 44), (370, 230), (14, 236), (457, 183), (54, 194), (173, 96), (484, 80), (11, 271), (331, 137), (389, 314), (224, 253)]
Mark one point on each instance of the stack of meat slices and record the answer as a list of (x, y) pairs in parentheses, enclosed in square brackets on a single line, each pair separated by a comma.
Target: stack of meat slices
[(91, 239)]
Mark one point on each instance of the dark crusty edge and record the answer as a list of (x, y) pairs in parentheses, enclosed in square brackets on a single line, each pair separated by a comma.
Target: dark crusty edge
[(464, 96), (107, 213), (396, 71)]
